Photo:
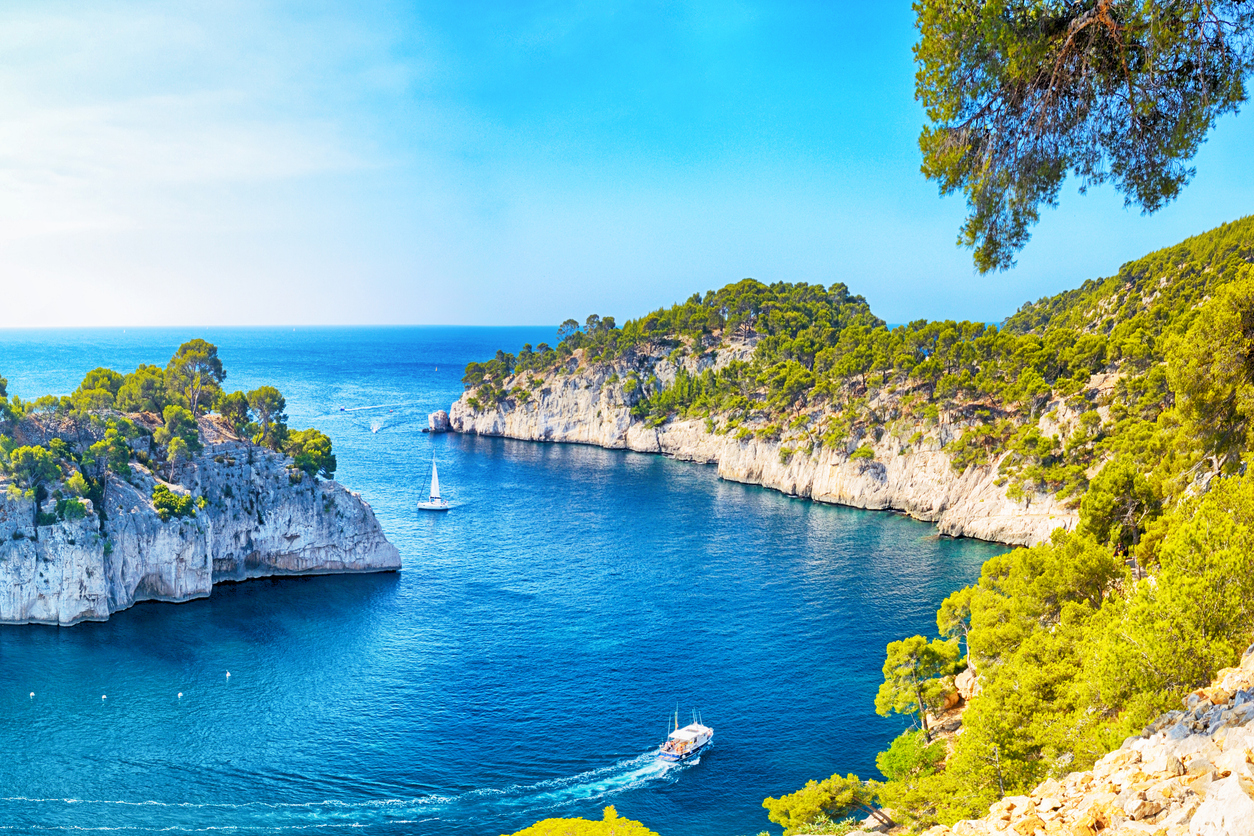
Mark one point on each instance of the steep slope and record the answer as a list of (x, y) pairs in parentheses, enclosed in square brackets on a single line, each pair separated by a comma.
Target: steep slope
[(1190, 773)]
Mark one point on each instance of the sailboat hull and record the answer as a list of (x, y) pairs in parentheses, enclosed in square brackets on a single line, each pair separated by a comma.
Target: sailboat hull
[(433, 506)]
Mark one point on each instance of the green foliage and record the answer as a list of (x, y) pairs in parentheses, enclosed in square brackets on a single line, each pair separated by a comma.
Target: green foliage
[(110, 453), (143, 390), (1020, 94), (194, 374), (909, 764), (1211, 370), (865, 452), (77, 484), (1120, 503), (179, 427), (71, 509), (1171, 635), (97, 392), (32, 467), (821, 801), (268, 404), (170, 505), (610, 825), (912, 685), (236, 410), (311, 451)]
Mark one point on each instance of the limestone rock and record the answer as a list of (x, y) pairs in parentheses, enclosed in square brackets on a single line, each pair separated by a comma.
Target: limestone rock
[(1190, 773), (1227, 811), (592, 405), (968, 684), (437, 422), (259, 519)]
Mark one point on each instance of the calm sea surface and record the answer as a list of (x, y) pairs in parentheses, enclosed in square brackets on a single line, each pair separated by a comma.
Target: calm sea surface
[(522, 665)]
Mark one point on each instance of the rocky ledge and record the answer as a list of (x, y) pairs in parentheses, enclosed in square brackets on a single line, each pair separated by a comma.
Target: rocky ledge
[(258, 518), (1191, 773), (910, 471)]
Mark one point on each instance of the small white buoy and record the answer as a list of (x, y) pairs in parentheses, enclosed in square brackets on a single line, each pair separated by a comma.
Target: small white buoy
[(180, 695), (104, 696), (228, 674), (32, 695)]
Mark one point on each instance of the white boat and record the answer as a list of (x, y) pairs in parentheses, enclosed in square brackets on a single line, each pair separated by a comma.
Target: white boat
[(434, 502), (682, 744)]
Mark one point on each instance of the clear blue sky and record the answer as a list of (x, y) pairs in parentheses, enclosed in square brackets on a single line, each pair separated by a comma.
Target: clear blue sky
[(498, 162)]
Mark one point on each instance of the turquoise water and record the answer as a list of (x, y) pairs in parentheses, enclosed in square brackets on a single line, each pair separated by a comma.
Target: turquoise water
[(521, 666)]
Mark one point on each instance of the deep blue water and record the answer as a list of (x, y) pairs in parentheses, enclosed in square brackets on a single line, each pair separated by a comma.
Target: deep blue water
[(522, 665)]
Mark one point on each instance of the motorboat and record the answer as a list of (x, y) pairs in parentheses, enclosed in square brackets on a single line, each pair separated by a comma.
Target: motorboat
[(434, 502), (682, 744)]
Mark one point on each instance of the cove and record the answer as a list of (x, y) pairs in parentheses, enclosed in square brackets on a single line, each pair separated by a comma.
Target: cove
[(521, 665)]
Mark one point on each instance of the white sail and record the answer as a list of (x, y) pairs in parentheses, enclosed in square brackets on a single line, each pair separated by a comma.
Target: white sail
[(435, 482)]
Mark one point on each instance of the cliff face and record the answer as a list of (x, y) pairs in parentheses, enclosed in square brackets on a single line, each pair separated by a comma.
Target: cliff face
[(255, 522), (591, 404)]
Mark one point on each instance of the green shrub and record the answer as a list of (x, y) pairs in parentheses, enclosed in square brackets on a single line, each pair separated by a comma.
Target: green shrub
[(171, 505), (863, 452), (71, 509)]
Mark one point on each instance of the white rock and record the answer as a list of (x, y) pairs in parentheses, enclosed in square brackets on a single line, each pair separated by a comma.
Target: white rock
[(1227, 811), (592, 406), (256, 523)]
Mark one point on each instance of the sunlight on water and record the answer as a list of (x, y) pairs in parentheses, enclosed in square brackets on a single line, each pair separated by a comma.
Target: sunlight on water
[(517, 668)]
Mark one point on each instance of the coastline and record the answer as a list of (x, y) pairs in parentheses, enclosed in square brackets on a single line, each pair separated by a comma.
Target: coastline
[(590, 404)]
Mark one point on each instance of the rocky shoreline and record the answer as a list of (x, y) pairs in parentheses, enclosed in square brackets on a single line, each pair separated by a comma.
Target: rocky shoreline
[(1190, 773), (258, 519), (591, 404)]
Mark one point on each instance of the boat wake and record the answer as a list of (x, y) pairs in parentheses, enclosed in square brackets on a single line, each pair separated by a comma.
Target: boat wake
[(515, 802)]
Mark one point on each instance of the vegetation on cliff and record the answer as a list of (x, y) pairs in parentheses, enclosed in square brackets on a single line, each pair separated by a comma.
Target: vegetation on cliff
[(64, 447), (1064, 385), (1131, 397)]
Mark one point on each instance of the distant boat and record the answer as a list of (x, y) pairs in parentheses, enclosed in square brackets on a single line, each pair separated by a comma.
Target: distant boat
[(682, 744), (434, 502)]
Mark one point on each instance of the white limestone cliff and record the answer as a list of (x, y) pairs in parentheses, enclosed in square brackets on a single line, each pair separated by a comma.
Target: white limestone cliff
[(256, 521), (591, 404)]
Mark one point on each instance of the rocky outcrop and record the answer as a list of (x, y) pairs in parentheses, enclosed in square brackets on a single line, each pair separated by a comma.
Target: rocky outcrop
[(910, 471), (437, 422), (256, 518), (968, 684), (1191, 773)]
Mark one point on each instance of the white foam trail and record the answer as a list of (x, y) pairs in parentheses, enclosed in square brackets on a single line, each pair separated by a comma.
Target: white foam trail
[(555, 792)]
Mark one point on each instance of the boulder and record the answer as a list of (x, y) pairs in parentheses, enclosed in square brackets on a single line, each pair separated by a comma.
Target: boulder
[(437, 422), (968, 684), (1227, 811)]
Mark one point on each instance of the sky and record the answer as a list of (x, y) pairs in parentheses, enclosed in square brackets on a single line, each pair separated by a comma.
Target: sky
[(489, 163)]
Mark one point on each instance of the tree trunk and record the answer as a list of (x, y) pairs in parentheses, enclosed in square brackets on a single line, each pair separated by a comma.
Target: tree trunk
[(927, 733)]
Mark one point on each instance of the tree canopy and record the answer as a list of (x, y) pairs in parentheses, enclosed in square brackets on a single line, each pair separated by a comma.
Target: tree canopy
[(611, 824), (104, 439), (195, 373), (1022, 93)]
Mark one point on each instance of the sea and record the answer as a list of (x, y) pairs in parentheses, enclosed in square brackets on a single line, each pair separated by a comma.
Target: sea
[(524, 664)]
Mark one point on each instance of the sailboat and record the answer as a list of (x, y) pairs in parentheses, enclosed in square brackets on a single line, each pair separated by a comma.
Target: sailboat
[(434, 502)]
